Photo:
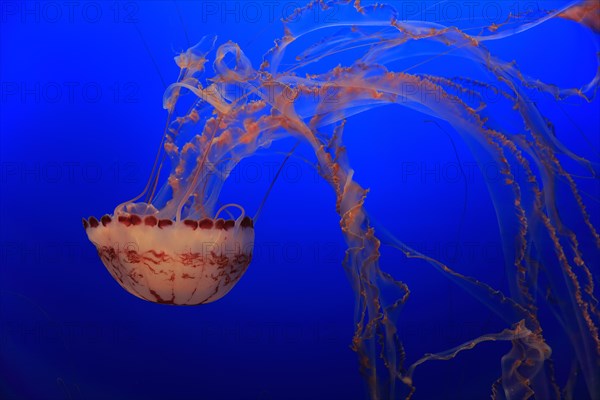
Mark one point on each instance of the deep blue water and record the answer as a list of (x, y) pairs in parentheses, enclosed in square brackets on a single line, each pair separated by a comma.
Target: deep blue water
[(81, 118)]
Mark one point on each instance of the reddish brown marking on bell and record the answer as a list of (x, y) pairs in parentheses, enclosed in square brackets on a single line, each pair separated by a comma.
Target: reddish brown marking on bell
[(229, 224), (93, 222), (161, 256), (133, 257), (158, 298), (125, 220), (135, 219), (150, 220), (206, 223), (222, 261), (164, 222), (187, 276), (135, 276), (85, 223), (192, 259), (241, 259), (191, 223), (105, 220), (247, 223), (220, 223)]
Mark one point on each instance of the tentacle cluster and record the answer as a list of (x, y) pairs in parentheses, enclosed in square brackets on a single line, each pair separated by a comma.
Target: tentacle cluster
[(217, 120)]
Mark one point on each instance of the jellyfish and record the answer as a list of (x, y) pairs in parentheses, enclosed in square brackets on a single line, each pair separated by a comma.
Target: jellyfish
[(171, 245), (212, 255)]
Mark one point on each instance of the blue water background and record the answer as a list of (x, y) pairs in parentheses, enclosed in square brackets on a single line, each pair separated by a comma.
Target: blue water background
[(81, 119)]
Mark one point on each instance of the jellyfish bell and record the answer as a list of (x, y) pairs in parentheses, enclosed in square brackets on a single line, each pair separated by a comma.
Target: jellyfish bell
[(186, 262)]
